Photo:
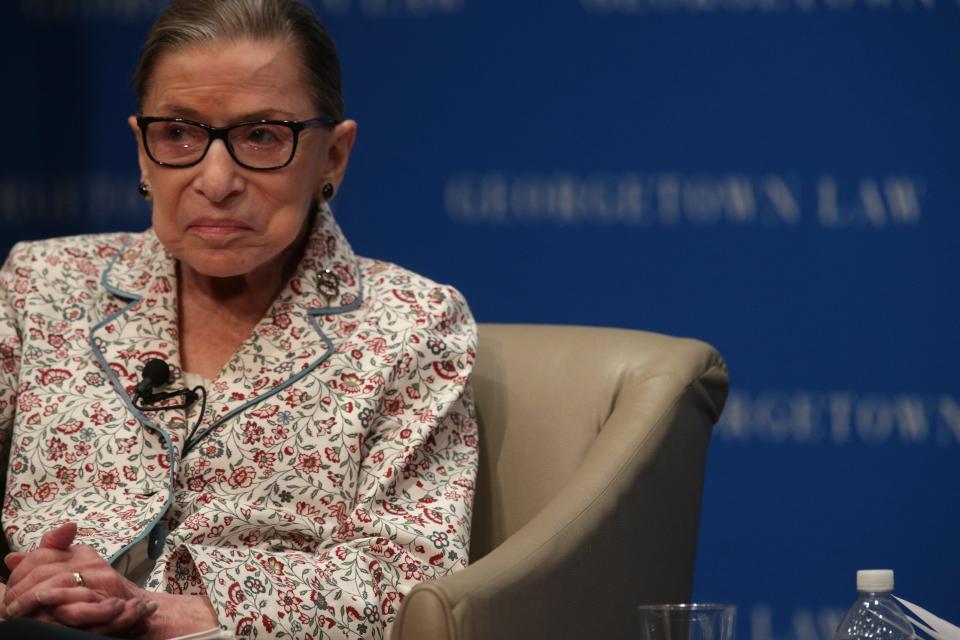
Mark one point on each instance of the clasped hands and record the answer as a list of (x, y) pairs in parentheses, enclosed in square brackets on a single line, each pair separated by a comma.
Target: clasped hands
[(68, 584)]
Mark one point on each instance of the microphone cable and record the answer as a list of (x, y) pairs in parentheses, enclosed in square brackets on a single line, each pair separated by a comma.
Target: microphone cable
[(156, 373), (203, 409)]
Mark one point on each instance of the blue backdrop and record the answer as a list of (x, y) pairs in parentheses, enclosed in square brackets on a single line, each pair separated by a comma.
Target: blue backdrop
[(777, 177)]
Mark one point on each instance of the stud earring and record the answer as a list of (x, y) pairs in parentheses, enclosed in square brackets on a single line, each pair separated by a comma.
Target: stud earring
[(327, 191), (143, 189)]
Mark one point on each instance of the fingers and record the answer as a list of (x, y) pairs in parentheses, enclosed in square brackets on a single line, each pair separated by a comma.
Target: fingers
[(59, 538), (32, 562), (30, 576), (84, 608), (129, 621), (60, 589), (13, 559), (29, 604), (41, 564), (88, 614), (111, 616)]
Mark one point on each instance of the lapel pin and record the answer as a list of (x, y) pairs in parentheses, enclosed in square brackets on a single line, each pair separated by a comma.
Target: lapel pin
[(328, 283)]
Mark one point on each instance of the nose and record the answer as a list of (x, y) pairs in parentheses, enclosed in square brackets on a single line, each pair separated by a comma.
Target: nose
[(219, 176)]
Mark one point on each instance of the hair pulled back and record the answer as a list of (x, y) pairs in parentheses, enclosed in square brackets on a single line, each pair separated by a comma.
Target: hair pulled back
[(187, 23)]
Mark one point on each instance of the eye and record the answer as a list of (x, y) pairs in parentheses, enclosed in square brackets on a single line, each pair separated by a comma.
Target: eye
[(178, 133), (174, 133), (262, 136)]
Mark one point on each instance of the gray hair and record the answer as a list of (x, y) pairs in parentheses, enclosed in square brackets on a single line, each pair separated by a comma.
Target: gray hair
[(187, 23)]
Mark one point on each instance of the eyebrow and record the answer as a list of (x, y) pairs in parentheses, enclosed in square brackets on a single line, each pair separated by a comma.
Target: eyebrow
[(193, 114)]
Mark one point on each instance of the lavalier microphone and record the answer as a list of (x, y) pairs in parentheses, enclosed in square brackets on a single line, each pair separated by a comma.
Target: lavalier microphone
[(155, 374)]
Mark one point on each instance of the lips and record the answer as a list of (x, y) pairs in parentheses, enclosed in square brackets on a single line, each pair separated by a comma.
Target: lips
[(218, 226)]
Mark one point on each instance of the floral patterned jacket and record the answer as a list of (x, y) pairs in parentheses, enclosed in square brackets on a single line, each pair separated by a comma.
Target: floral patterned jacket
[(334, 465)]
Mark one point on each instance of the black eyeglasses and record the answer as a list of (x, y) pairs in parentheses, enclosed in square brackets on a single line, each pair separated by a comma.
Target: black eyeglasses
[(258, 144)]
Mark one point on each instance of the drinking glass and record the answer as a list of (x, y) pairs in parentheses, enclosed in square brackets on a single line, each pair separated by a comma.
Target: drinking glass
[(687, 621)]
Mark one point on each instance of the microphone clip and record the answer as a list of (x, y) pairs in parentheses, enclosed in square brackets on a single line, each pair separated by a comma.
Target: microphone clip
[(156, 373), (147, 399)]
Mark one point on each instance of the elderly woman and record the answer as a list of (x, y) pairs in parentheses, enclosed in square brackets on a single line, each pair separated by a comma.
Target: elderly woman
[(301, 449)]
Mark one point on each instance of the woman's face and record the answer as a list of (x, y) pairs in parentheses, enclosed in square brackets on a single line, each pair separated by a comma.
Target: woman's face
[(219, 218)]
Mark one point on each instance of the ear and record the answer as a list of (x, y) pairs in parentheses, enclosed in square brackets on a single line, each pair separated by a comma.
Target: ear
[(338, 155), (142, 158)]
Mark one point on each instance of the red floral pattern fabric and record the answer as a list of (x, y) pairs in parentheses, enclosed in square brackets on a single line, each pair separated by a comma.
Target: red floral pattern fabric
[(332, 470)]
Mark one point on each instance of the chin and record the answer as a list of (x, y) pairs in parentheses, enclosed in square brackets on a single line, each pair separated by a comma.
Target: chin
[(219, 264), (224, 272)]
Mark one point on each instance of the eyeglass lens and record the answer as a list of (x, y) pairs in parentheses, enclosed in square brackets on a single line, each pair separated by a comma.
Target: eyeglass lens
[(255, 145)]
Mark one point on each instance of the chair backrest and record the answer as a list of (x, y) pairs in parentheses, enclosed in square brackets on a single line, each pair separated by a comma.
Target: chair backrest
[(543, 394)]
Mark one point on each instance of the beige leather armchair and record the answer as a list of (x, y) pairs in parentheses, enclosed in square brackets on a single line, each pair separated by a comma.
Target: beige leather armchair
[(593, 447)]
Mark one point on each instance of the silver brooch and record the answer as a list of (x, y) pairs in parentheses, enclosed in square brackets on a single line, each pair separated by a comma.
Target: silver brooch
[(328, 283)]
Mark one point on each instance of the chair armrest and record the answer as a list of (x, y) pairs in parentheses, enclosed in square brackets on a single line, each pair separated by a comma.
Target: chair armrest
[(581, 566)]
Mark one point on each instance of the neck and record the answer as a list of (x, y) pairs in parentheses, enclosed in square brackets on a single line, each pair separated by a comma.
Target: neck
[(245, 297), (217, 314)]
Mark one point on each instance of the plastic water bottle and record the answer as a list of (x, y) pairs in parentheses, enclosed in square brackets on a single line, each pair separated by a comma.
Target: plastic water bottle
[(875, 615)]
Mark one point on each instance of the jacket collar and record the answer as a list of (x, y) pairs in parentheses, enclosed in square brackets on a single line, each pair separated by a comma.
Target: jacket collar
[(327, 280), (286, 344)]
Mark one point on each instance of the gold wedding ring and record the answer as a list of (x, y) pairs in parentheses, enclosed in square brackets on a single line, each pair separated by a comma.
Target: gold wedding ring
[(79, 579)]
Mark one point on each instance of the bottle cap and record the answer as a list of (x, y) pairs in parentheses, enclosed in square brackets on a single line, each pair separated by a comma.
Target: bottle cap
[(874, 580)]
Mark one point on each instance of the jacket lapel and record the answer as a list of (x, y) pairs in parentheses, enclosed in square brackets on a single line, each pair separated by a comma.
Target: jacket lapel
[(286, 344), (139, 323)]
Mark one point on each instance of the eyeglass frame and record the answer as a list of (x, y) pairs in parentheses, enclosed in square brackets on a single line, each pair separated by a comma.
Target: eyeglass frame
[(222, 133)]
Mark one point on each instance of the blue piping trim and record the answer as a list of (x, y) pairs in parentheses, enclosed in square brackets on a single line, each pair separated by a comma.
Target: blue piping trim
[(313, 313), (321, 311), (126, 400), (329, 344), (106, 272)]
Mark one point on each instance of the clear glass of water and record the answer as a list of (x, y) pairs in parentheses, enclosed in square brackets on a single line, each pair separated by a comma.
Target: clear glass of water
[(687, 621)]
